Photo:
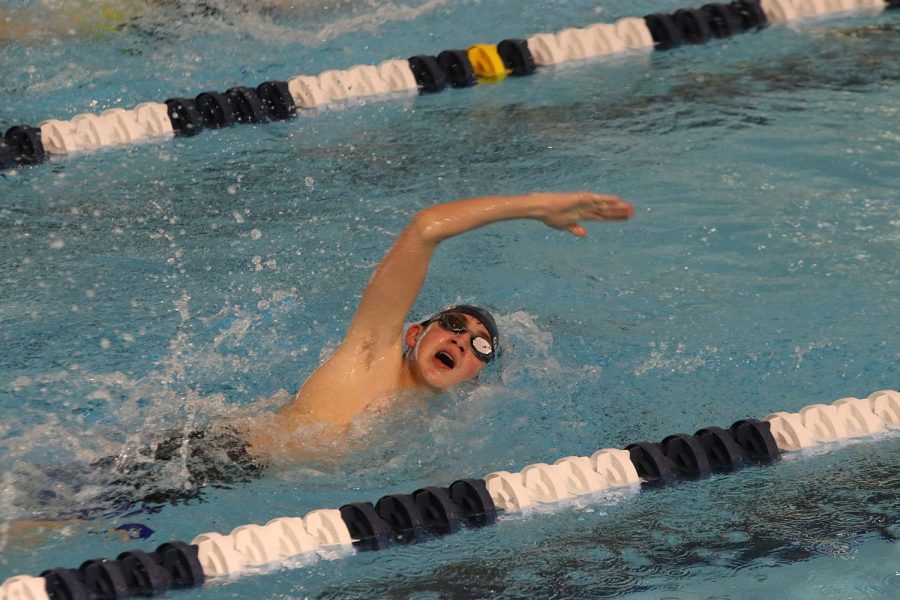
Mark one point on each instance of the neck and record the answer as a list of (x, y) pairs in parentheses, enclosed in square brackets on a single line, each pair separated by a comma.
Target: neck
[(408, 378)]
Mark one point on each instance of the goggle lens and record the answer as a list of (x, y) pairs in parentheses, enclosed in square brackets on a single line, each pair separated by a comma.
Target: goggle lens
[(479, 344)]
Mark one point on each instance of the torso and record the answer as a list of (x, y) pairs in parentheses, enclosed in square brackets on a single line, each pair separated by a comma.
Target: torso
[(345, 385), (336, 393)]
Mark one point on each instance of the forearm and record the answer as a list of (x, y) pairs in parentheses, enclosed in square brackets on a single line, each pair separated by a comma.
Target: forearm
[(440, 222)]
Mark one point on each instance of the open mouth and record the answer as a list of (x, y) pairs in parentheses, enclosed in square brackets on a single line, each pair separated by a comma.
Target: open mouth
[(445, 358)]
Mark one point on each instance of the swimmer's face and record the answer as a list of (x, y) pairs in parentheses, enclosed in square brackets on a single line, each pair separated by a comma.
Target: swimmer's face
[(439, 358)]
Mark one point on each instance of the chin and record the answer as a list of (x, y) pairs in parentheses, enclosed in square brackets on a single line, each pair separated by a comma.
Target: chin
[(437, 384), (439, 381)]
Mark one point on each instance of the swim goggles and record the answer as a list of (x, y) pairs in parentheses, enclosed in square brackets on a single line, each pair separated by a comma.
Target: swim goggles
[(456, 323)]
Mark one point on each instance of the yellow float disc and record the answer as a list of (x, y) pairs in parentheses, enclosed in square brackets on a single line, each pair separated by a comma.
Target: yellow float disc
[(486, 61)]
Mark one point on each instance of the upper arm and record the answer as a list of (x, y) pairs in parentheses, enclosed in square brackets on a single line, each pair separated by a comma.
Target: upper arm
[(396, 282), (392, 290)]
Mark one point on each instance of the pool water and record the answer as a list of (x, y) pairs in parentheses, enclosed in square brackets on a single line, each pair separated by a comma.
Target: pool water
[(184, 282)]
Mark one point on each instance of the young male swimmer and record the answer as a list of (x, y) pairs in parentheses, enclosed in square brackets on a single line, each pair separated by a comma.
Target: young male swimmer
[(377, 358)]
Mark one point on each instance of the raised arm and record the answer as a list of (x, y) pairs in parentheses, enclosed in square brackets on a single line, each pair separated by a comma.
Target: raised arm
[(393, 288), (369, 362)]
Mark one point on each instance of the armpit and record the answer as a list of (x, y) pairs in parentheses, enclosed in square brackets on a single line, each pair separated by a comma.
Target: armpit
[(367, 353)]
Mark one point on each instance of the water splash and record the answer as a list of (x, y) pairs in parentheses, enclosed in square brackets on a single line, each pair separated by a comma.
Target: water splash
[(675, 361), (87, 466)]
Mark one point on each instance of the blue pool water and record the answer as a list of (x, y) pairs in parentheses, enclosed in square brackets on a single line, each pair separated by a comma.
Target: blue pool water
[(184, 282)]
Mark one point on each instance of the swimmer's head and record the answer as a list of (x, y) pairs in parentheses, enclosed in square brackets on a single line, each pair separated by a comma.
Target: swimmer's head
[(483, 316), (451, 346)]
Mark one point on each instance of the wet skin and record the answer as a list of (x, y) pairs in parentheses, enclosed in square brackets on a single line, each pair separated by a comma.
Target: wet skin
[(439, 359)]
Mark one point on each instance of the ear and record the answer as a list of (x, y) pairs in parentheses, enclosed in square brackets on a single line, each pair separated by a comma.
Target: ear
[(412, 335)]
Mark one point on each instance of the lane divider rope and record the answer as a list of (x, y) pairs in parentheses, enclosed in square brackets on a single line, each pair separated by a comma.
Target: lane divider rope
[(480, 63), (437, 511)]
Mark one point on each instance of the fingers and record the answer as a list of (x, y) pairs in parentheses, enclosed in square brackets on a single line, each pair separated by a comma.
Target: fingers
[(602, 197), (619, 212), (565, 210), (610, 208), (577, 230)]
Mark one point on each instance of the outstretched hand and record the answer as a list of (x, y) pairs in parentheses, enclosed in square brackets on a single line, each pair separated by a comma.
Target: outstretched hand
[(566, 210)]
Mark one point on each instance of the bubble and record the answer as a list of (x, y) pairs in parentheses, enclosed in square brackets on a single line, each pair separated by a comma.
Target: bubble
[(20, 382)]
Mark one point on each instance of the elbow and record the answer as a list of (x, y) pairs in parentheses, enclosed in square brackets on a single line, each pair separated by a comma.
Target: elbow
[(426, 227)]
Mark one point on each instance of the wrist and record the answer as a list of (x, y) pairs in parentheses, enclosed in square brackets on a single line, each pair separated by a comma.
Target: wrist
[(534, 206)]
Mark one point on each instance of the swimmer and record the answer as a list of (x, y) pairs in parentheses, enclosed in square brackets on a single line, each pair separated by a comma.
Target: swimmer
[(377, 358)]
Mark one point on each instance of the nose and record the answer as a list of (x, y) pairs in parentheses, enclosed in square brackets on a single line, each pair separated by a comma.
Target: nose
[(456, 342)]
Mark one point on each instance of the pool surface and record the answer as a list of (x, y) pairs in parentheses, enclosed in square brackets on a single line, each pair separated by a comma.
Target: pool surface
[(184, 282)]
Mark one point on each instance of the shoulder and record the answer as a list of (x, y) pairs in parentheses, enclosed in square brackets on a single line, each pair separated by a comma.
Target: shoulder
[(349, 381)]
